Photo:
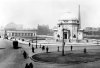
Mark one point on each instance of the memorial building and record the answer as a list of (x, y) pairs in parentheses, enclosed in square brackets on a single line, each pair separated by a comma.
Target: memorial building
[(69, 28)]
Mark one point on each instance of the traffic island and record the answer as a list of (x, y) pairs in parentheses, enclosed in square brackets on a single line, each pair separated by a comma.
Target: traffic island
[(71, 57)]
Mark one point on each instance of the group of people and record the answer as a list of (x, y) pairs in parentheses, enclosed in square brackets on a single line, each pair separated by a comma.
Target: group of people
[(30, 65), (47, 49)]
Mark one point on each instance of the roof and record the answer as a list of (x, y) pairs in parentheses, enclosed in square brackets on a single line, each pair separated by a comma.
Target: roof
[(68, 16)]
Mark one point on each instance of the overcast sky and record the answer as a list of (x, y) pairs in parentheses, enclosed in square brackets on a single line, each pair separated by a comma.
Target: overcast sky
[(30, 13)]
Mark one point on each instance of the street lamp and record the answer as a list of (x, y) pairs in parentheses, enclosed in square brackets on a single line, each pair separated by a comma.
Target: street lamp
[(63, 43), (36, 41)]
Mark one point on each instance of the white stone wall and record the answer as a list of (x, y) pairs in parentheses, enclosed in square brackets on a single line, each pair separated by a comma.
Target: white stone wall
[(80, 35)]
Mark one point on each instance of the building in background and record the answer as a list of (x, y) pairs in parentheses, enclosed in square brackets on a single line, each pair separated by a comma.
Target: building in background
[(13, 26), (13, 30), (92, 33), (21, 33)]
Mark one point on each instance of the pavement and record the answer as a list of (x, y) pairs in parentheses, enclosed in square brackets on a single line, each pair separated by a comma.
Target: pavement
[(9, 57), (28, 49)]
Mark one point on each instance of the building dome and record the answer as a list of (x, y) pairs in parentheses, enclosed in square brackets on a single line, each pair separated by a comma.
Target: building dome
[(68, 16)]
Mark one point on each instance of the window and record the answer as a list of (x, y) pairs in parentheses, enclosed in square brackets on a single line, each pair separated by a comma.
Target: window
[(31, 34), (65, 35), (22, 34), (12, 34), (25, 34), (28, 34), (74, 36)]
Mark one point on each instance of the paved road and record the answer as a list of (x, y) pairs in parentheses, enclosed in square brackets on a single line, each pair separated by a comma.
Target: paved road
[(10, 58)]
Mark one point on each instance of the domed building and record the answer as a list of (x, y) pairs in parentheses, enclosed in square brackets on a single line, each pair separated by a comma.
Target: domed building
[(68, 28)]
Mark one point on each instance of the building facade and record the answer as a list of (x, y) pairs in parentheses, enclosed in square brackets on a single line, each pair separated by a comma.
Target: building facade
[(68, 28), (21, 33), (18, 33)]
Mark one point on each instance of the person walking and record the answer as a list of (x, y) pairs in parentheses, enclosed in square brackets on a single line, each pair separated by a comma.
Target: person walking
[(31, 65), (26, 66), (25, 55), (29, 44), (47, 49), (32, 49), (85, 50), (40, 45), (71, 47), (43, 48), (58, 48)]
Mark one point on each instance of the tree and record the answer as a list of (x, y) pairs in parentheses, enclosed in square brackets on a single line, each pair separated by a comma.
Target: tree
[(44, 30)]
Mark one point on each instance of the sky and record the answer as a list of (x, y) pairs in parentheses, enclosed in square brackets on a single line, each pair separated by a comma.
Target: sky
[(30, 13)]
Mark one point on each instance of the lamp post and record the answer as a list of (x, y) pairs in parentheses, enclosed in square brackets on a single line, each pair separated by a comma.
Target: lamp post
[(63, 43), (36, 41)]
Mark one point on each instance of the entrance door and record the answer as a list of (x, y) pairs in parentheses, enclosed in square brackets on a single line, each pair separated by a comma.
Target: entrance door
[(65, 35)]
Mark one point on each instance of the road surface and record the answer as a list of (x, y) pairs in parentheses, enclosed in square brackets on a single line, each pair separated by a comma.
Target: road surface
[(10, 58)]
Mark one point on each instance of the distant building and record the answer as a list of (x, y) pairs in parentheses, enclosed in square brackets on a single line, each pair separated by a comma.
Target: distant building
[(18, 33), (21, 33), (92, 33), (13, 26)]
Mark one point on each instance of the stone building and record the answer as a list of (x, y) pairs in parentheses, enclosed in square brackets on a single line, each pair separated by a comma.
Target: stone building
[(69, 28), (18, 33)]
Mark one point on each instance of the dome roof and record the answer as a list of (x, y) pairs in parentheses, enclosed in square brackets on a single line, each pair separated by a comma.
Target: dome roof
[(68, 16)]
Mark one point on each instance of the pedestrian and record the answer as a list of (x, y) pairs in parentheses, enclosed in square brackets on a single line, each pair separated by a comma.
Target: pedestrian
[(40, 45), (26, 66), (47, 49), (71, 47), (32, 49), (25, 55), (43, 48), (29, 44), (58, 48), (31, 65), (85, 51)]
